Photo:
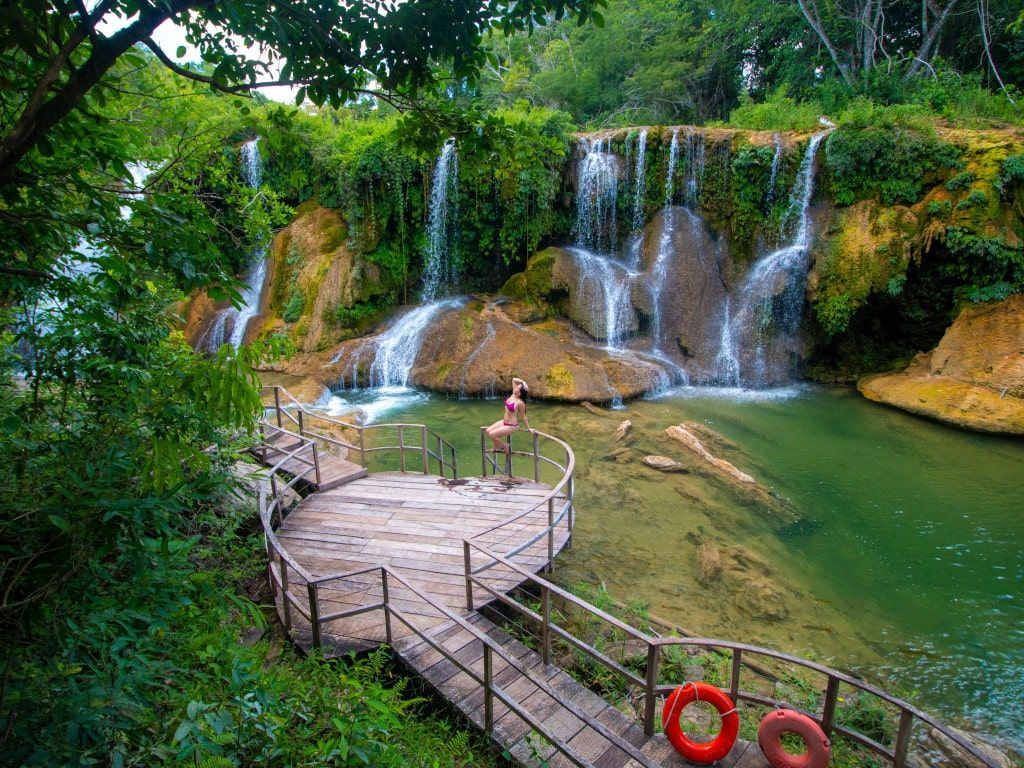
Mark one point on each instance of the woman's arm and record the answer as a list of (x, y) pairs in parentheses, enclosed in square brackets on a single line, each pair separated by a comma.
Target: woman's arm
[(521, 407)]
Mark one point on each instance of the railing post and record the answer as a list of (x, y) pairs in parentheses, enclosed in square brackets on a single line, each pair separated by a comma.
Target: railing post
[(401, 448), (536, 458), (387, 604), (828, 709), (455, 463), (468, 560), (483, 452), (899, 757), (277, 404), (653, 655), (302, 424), (551, 535), (488, 693), (571, 516), (316, 463), (440, 456), (508, 455), (426, 458), (545, 630), (284, 596), (314, 614), (734, 680), (362, 448)]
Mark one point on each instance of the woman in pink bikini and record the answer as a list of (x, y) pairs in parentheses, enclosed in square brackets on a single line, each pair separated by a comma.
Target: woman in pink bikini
[(515, 409)]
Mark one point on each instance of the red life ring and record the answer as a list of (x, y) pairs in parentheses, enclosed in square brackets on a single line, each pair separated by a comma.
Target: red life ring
[(687, 693), (769, 738)]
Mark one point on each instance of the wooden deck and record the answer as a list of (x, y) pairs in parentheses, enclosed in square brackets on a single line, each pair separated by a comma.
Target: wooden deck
[(415, 523)]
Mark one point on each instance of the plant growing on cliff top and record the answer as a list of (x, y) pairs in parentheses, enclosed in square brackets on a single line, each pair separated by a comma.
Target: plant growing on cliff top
[(888, 154)]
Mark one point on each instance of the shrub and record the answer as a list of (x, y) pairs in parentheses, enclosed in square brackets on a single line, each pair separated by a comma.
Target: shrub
[(977, 197), (293, 308), (892, 161), (778, 112), (960, 181)]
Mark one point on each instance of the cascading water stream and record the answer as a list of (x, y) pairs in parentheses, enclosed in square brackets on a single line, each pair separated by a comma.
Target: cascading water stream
[(636, 241), (603, 284), (770, 298), (231, 323), (603, 281), (774, 175), (639, 179), (440, 270), (696, 155), (659, 269), (597, 197), (396, 348)]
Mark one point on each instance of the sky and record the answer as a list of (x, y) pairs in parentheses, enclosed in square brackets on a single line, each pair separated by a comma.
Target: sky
[(169, 36)]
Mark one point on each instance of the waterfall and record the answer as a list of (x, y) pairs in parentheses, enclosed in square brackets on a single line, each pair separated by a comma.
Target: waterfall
[(696, 151), (770, 298), (670, 175), (659, 269), (603, 285), (774, 175), (397, 347), (231, 324), (597, 195), (639, 178), (603, 281), (440, 270)]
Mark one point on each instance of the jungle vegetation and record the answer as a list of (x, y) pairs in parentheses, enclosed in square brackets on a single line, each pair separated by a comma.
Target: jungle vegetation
[(128, 550)]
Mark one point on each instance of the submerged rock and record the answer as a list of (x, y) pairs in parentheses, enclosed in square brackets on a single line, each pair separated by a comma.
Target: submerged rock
[(663, 463), (684, 436), (709, 563), (624, 429), (746, 489), (973, 379)]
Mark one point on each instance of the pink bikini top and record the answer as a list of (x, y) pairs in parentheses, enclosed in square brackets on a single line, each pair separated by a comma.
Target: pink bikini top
[(511, 408)]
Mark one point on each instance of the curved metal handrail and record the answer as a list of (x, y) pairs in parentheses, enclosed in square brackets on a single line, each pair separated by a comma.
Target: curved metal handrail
[(283, 412), (655, 643)]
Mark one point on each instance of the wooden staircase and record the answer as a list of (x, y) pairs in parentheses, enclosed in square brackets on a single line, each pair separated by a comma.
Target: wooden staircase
[(309, 462)]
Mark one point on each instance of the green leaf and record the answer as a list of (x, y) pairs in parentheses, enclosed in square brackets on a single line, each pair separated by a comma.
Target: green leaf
[(59, 522), (181, 51)]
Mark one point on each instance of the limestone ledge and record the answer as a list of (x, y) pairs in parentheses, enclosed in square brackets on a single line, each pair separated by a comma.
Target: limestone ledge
[(973, 379)]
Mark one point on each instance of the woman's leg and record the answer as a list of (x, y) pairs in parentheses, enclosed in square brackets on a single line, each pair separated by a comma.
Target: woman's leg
[(497, 431)]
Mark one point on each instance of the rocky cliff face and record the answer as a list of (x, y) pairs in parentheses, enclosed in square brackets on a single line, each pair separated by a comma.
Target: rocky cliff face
[(313, 282), (974, 378)]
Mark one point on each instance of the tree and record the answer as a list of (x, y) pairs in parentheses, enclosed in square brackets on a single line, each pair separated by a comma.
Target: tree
[(57, 52)]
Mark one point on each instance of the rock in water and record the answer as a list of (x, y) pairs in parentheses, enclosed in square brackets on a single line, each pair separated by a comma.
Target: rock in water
[(709, 563), (973, 379), (681, 434), (623, 430), (663, 463), (747, 490), (958, 756)]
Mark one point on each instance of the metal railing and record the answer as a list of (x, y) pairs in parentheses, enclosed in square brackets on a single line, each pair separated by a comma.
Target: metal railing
[(417, 445), (286, 574), (555, 507), (739, 655)]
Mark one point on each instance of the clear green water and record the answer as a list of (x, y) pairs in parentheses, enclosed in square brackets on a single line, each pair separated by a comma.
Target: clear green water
[(908, 566)]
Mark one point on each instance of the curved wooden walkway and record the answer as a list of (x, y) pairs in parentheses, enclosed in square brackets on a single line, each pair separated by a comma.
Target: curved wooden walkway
[(414, 523), (407, 558)]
